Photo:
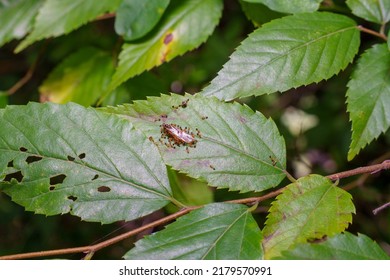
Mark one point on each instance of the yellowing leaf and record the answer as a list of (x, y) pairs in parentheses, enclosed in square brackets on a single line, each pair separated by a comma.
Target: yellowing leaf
[(82, 78), (185, 26), (311, 208)]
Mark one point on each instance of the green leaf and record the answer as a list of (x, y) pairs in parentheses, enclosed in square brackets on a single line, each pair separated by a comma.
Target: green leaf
[(56, 159), (290, 6), (135, 18), (368, 98), (82, 77), (388, 40), (3, 99), (376, 11), (258, 13), (58, 17), (189, 192), (16, 19), (288, 52), (236, 147), (217, 231), (311, 208), (344, 246), (184, 26)]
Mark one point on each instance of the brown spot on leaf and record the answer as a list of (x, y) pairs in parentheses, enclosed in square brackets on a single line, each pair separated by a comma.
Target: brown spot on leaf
[(164, 56), (168, 38), (166, 47)]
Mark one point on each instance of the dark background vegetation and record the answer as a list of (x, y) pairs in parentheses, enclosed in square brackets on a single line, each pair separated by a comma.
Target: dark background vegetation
[(323, 147)]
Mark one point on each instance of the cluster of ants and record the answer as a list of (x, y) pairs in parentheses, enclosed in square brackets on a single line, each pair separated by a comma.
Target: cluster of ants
[(173, 135)]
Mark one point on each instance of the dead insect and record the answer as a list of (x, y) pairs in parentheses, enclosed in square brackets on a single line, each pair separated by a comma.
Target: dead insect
[(177, 136), (212, 167)]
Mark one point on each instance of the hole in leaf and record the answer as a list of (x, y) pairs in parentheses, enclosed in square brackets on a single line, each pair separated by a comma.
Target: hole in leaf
[(82, 155), (52, 188), (32, 159), (71, 158), (73, 198), (22, 149), (104, 189), (18, 176), (10, 163), (58, 179), (95, 177)]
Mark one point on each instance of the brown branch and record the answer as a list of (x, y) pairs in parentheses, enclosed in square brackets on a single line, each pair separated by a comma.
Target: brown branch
[(93, 248), (380, 208), (24, 80), (372, 32), (361, 170), (364, 177), (251, 200)]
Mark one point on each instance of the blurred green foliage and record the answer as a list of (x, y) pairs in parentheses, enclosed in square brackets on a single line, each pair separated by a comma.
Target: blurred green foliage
[(321, 149)]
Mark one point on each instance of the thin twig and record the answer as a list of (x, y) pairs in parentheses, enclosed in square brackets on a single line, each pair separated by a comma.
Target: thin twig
[(93, 248), (23, 80), (362, 179), (372, 32), (380, 208), (29, 72), (361, 170), (89, 250), (252, 200)]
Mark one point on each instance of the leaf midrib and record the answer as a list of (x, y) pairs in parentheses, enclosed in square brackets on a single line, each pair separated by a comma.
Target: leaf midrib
[(242, 152), (227, 228)]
